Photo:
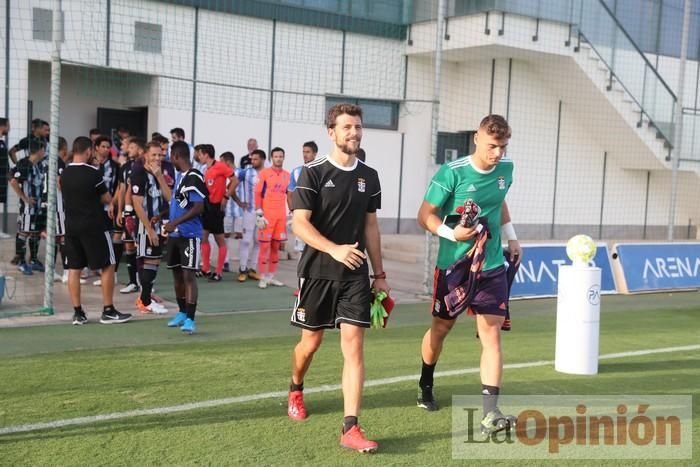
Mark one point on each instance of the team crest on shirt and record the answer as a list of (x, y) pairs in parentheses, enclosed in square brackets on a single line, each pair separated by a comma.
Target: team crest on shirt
[(148, 251), (361, 185), (301, 314), (501, 183)]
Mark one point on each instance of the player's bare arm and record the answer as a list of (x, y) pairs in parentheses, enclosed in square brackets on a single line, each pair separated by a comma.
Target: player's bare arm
[(428, 219), (373, 243), (349, 255), (20, 194), (514, 248), (143, 218)]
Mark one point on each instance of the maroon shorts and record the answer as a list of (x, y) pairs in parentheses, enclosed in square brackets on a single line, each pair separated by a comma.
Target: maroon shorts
[(491, 297)]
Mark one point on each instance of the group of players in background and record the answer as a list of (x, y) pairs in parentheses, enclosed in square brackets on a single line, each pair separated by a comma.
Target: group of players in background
[(334, 212)]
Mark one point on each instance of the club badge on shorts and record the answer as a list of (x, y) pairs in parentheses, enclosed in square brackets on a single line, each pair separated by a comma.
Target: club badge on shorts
[(361, 185), (301, 314), (501, 183)]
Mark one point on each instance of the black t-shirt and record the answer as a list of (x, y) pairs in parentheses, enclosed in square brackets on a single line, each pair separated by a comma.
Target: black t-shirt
[(82, 186), (339, 198), (4, 165), (245, 162)]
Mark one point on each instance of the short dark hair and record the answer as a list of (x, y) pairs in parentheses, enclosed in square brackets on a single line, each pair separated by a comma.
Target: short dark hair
[(161, 139), (311, 145), (342, 109), (152, 144), (37, 122), (101, 139), (122, 128), (228, 157), (95, 131), (496, 125), (44, 123), (155, 135), (260, 153), (4, 121), (81, 144), (180, 149), (140, 142), (35, 146), (179, 132), (62, 143), (276, 149), (207, 149)]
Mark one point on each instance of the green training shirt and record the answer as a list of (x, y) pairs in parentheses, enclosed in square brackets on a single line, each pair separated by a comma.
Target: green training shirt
[(460, 180)]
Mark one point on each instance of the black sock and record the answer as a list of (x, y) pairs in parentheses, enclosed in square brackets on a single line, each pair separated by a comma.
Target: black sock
[(426, 375), (118, 251), (349, 422), (64, 261), (108, 308), (21, 247), (490, 394), (34, 248), (78, 309), (182, 305), (191, 310), (148, 277), (296, 387), (131, 266), (55, 256)]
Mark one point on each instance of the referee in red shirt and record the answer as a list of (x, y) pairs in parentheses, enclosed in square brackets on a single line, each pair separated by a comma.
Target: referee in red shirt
[(213, 217)]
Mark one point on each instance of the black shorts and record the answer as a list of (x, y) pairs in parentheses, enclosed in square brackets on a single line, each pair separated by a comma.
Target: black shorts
[(325, 303), (491, 297), (89, 249), (182, 252), (213, 218), (31, 222), (144, 249)]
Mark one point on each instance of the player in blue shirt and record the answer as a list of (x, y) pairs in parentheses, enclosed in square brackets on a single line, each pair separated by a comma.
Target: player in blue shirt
[(185, 232)]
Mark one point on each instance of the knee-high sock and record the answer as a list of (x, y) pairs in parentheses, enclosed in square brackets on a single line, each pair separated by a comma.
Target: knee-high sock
[(148, 277), (118, 252), (264, 257), (223, 254), (139, 268), (243, 252), (131, 266), (274, 255), (64, 260), (21, 246), (229, 248), (256, 250), (206, 256), (34, 247)]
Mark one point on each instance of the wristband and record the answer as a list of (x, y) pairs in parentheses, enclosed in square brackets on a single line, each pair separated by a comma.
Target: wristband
[(381, 275), (446, 232), (508, 232)]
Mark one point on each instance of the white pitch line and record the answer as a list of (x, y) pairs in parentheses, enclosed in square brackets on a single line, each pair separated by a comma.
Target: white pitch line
[(325, 388)]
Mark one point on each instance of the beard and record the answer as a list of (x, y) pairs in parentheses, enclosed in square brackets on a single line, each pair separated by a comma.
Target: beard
[(348, 148)]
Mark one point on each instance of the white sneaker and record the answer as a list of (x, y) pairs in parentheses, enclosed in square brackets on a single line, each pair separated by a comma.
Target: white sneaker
[(97, 283), (262, 284), (130, 288), (275, 282), (158, 309), (57, 277)]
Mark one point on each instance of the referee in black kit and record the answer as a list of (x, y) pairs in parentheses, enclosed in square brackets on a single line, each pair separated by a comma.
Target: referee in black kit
[(88, 240)]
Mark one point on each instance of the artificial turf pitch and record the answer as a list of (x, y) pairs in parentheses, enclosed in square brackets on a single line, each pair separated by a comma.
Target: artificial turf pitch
[(50, 373)]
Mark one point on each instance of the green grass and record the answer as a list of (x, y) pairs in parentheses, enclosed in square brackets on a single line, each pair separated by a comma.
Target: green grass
[(58, 372)]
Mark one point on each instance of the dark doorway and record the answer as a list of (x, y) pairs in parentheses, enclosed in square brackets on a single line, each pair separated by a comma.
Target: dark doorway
[(134, 119)]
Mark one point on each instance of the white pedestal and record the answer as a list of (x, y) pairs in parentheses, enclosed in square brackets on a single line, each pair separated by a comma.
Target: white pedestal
[(578, 320)]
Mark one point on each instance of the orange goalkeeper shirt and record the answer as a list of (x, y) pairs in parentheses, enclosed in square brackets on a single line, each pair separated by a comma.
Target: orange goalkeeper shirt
[(271, 192)]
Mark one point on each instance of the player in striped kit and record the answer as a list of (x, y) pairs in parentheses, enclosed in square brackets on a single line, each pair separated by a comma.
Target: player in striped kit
[(249, 246), (149, 194), (109, 170), (271, 216)]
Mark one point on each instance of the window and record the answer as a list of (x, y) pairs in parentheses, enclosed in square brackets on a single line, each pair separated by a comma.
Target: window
[(379, 114), (42, 24), (148, 37)]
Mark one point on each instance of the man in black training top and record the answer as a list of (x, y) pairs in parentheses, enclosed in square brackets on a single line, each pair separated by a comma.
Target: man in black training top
[(335, 213), (88, 242)]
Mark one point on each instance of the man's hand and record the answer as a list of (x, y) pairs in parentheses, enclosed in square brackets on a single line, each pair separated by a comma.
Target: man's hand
[(465, 233), (515, 250), (152, 236), (154, 220), (260, 220), (110, 211), (155, 169), (242, 205), (381, 284), (120, 219), (30, 201), (349, 255), (169, 227)]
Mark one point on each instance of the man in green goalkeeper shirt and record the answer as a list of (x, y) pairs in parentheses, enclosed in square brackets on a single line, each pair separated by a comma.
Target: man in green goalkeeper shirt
[(485, 177)]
